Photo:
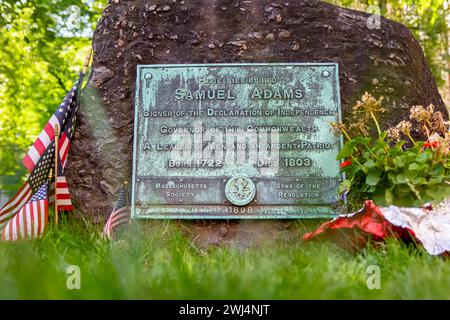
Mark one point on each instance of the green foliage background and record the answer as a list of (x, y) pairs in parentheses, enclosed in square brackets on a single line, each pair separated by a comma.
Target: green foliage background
[(429, 21), (43, 48), (43, 44)]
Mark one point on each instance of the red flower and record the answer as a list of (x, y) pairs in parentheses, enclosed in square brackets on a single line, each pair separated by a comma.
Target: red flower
[(432, 145), (346, 163)]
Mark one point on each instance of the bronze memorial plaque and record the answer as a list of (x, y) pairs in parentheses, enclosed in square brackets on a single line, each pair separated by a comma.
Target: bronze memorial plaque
[(226, 141)]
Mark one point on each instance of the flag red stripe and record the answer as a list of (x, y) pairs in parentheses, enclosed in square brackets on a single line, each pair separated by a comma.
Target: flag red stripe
[(33, 158), (63, 196), (39, 224), (48, 128), (28, 163), (40, 147), (42, 211), (65, 207), (64, 149), (37, 206)]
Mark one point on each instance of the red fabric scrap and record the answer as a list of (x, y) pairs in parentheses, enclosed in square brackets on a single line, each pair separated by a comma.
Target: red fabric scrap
[(369, 222)]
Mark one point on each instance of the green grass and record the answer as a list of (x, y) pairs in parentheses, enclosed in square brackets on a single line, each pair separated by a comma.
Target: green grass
[(159, 262)]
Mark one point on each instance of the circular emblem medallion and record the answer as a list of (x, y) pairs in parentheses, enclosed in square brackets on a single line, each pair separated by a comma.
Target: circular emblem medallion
[(240, 190)]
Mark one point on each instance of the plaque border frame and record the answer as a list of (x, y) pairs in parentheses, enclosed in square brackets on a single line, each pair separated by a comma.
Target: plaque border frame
[(327, 211)]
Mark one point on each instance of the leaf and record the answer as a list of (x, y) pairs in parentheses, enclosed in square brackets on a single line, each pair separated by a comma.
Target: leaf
[(349, 147), (389, 196), (379, 199), (369, 164), (438, 192), (399, 161), (34, 50), (413, 166), (424, 156), (437, 170), (346, 151), (401, 178), (418, 180), (373, 177), (436, 180)]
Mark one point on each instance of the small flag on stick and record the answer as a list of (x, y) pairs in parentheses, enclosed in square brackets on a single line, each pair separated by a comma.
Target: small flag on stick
[(31, 220), (25, 215), (120, 214)]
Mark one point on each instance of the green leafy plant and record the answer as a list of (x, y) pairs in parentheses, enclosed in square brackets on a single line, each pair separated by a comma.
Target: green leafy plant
[(394, 168), (40, 59)]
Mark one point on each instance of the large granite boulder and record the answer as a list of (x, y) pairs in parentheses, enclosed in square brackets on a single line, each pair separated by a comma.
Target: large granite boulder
[(386, 61)]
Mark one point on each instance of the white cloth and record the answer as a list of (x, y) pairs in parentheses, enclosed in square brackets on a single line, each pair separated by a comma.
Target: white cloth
[(431, 228)]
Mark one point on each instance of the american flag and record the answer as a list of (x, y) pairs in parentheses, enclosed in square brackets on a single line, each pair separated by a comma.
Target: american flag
[(119, 216), (26, 214), (65, 118), (31, 220), (40, 159)]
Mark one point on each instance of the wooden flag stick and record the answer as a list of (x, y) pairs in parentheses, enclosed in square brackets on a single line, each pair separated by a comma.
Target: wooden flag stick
[(87, 60), (56, 173)]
